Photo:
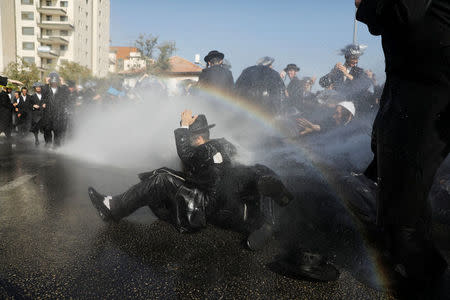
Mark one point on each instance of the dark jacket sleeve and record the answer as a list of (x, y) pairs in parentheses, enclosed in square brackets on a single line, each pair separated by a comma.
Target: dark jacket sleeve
[(185, 151)]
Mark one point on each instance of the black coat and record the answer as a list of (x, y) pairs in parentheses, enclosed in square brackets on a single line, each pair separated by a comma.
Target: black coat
[(6, 110), (204, 165), (344, 85), (55, 113), (25, 108), (217, 77), (37, 113), (411, 133), (262, 86)]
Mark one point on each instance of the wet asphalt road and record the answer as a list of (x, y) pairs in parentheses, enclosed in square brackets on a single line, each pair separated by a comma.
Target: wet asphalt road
[(53, 244)]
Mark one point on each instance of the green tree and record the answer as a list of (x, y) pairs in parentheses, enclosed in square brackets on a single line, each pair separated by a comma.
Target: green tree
[(74, 71), (148, 45), (26, 72)]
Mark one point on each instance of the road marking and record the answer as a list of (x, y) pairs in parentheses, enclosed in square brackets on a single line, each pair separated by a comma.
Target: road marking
[(16, 183)]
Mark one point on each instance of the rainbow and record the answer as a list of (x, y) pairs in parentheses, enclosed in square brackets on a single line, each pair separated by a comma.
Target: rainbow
[(264, 119)]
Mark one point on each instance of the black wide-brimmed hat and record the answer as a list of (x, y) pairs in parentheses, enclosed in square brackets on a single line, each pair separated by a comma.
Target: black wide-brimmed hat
[(212, 54), (292, 67), (200, 125), (304, 265)]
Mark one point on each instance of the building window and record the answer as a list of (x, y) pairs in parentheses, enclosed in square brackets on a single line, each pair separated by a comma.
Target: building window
[(63, 18), (28, 46), (64, 32), (27, 2), (49, 61), (87, 14), (64, 4), (28, 59), (28, 15), (63, 47), (48, 18), (99, 13), (48, 3), (48, 32), (87, 28), (87, 1), (28, 30)]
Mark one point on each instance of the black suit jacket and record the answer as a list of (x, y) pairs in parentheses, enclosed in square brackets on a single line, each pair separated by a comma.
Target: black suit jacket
[(415, 36), (204, 165), (25, 107)]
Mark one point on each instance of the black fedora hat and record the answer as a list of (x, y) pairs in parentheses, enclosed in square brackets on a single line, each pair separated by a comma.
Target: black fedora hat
[(212, 54), (292, 67), (200, 125)]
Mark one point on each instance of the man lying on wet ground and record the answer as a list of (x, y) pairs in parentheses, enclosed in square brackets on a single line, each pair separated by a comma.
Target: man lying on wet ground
[(212, 188)]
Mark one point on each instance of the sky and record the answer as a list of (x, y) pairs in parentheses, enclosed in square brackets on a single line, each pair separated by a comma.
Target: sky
[(308, 33)]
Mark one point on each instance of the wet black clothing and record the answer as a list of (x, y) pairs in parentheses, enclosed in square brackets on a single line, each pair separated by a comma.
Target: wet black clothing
[(37, 113), (6, 112), (55, 113), (182, 198), (343, 84), (25, 108), (210, 189), (217, 77), (263, 87), (411, 135)]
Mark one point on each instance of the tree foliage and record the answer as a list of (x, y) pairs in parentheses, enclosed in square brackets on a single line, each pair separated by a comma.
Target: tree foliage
[(149, 45), (74, 71), (23, 71)]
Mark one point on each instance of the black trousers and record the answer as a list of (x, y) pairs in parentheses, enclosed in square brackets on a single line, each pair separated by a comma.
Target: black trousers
[(410, 141), (169, 197)]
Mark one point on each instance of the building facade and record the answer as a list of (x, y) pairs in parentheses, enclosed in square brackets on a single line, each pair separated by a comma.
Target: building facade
[(49, 32), (124, 60)]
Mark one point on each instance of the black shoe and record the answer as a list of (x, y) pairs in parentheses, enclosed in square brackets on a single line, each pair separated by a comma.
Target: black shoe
[(97, 200), (260, 237), (272, 187), (304, 265)]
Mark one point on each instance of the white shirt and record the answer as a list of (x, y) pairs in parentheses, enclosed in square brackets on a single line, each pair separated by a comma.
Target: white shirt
[(39, 96), (24, 98), (54, 90)]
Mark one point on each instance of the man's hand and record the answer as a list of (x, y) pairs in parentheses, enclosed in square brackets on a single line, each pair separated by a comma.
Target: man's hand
[(283, 74), (344, 70), (15, 104), (357, 3), (19, 115), (307, 126), (17, 109), (44, 105), (36, 106), (187, 118), (47, 80)]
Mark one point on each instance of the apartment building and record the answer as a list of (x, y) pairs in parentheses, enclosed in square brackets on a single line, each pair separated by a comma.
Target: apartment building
[(48, 32)]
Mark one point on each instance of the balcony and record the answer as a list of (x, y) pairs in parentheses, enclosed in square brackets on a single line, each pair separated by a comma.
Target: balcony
[(53, 40), (46, 52), (51, 10), (55, 25)]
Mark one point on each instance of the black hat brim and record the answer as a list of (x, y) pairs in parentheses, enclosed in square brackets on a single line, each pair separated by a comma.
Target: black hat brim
[(211, 56), (296, 69), (203, 129)]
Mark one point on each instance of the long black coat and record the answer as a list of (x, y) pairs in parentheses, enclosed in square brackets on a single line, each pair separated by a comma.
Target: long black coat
[(25, 108), (411, 135), (217, 77), (55, 113), (262, 86), (6, 110), (37, 113)]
